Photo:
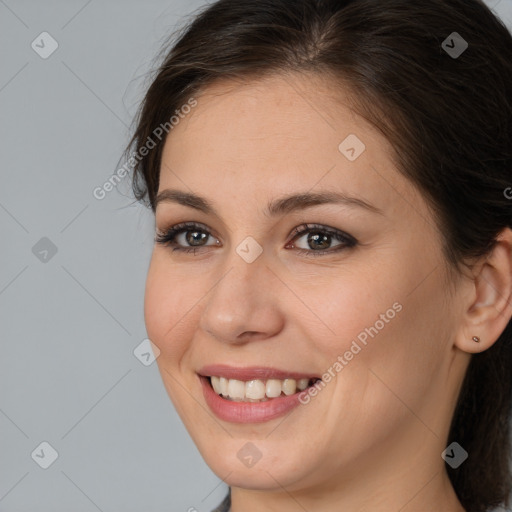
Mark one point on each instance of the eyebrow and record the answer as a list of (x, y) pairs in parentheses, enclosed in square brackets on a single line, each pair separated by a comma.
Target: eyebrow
[(280, 206)]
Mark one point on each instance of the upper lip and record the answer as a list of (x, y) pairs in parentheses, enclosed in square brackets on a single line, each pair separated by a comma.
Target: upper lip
[(247, 373)]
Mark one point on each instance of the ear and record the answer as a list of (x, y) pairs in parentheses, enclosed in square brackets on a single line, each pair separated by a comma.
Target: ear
[(489, 308)]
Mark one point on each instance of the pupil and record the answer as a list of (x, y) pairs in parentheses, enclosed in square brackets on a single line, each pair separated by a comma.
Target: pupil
[(323, 239), (195, 236)]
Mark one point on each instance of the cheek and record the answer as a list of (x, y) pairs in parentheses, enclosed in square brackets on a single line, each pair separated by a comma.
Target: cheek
[(348, 308), (382, 320), (166, 302), (402, 339)]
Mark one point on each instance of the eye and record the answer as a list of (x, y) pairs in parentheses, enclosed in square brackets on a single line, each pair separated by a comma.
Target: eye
[(318, 240), (187, 232)]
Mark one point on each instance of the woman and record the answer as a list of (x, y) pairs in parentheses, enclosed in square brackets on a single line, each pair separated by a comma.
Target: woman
[(330, 288)]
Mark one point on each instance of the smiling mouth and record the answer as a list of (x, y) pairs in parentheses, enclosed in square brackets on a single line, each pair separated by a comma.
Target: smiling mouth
[(257, 390)]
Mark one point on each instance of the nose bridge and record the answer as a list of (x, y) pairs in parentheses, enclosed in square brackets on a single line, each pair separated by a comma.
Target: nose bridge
[(241, 299), (246, 266)]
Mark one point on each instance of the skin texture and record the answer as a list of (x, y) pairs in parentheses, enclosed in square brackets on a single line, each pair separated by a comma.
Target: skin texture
[(372, 438)]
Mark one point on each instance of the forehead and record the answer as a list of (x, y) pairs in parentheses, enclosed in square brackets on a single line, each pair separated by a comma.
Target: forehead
[(276, 134), (262, 114)]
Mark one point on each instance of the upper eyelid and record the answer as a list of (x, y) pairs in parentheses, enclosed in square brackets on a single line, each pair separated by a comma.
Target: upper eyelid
[(181, 227), (297, 231), (307, 226)]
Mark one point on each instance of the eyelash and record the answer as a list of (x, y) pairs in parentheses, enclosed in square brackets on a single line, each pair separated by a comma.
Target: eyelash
[(167, 238)]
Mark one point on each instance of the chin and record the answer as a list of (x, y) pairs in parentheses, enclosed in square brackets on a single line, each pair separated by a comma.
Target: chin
[(236, 462)]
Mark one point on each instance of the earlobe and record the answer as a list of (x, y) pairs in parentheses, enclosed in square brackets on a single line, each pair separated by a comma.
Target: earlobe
[(490, 310)]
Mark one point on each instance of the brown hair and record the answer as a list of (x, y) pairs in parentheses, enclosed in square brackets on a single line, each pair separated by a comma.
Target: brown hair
[(448, 118)]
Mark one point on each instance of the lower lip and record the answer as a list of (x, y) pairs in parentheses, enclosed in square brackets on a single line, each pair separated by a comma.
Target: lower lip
[(247, 412)]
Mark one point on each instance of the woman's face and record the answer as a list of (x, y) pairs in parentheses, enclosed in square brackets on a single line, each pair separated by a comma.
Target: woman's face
[(357, 298)]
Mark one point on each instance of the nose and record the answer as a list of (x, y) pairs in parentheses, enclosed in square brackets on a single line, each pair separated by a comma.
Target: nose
[(243, 305)]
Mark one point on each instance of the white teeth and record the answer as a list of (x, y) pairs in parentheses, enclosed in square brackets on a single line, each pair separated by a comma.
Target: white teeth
[(289, 386), (302, 384), (273, 388), (256, 390), (223, 384), (216, 385), (236, 388)]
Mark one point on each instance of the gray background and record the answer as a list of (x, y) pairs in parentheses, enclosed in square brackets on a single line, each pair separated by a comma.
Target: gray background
[(70, 321)]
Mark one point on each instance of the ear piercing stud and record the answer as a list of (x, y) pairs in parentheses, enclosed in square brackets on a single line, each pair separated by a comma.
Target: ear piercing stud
[(476, 338)]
